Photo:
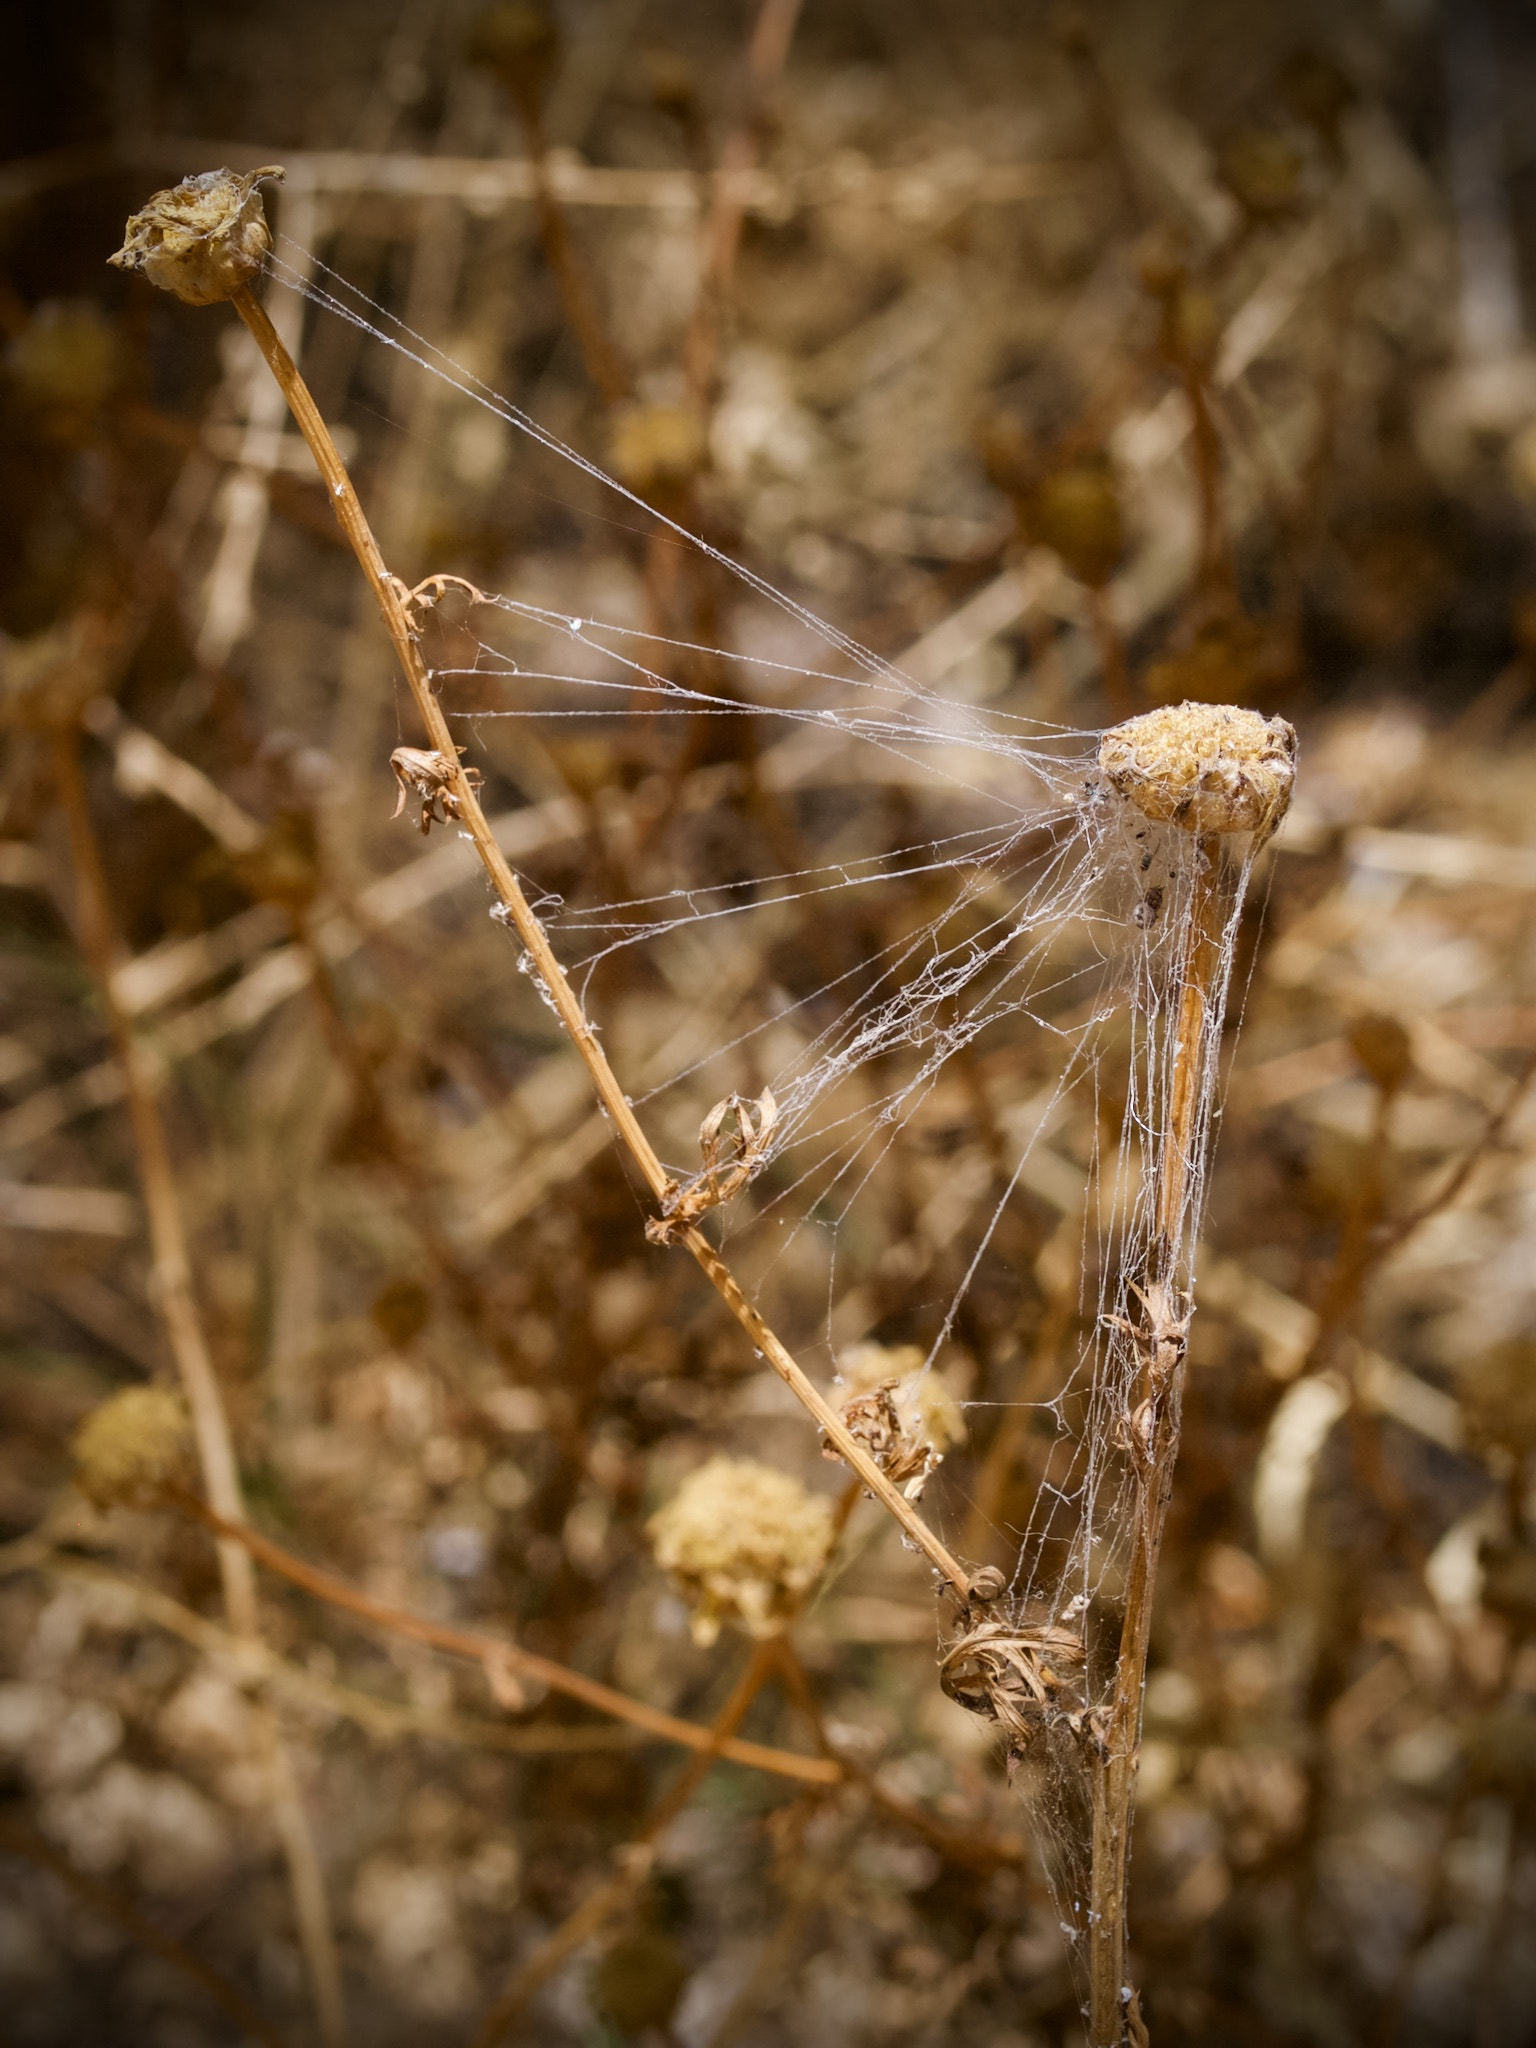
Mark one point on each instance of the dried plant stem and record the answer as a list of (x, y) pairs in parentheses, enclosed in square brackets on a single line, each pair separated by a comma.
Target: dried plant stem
[(392, 599), (495, 1653), (176, 1304), (634, 1862), (171, 1273), (253, 1663), (1161, 1344)]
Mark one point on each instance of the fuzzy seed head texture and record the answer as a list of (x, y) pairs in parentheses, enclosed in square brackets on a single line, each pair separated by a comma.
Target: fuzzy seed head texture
[(744, 1542), (132, 1446), (1207, 768), (204, 238)]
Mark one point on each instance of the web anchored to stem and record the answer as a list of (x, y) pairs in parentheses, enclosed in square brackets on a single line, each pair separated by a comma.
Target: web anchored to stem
[(1077, 891)]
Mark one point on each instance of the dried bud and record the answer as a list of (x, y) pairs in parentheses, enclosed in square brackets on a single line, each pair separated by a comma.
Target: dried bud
[(905, 1418), (1498, 1398), (1204, 767), (744, 1542), (133, 1446), (204, 238)]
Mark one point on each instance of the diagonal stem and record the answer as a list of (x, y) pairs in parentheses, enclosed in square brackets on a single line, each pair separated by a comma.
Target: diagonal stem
[(495, 1652), (392, 601)]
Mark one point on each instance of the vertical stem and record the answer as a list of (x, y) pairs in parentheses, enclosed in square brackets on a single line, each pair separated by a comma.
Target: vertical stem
[(171, 1268), (1158, 1395), (392, 597), (176, 1304)]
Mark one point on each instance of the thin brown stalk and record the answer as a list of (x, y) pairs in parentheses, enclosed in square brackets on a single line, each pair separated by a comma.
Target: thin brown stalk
[(176, 1304), (497, 1654), (20, 1840), (384, 1719), (634, 1863), (393, 601), (1161, 1347)]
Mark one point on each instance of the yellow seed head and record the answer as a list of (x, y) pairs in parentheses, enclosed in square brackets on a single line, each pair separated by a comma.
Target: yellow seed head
[(1203, 767), (132, 1446), (201, 239), (744, 1542)]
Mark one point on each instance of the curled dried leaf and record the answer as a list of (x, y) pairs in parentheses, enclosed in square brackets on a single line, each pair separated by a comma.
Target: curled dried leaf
[(1016, 1675)]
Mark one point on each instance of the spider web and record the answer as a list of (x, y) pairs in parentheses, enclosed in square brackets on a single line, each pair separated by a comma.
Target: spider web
[(1032, 968)]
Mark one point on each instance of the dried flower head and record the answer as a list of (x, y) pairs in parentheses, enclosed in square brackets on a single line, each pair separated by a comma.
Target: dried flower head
[(1204, 767), (744, 1542), (906, 1418), (132, 1447), (204, 238)]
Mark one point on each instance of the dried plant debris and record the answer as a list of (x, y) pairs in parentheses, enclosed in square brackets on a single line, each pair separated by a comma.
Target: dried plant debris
[(203, 239), (901, 1410)]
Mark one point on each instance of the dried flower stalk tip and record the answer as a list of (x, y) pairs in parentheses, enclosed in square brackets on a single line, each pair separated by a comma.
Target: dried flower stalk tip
[(132, 1447), (1204, 767), (204, 238), (744, 1542)]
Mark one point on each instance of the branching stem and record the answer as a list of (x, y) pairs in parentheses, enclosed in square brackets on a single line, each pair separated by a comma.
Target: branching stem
[(392, 599)]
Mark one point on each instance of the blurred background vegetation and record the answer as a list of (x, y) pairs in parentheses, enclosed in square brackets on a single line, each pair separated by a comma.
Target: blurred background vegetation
[(1077, 358)]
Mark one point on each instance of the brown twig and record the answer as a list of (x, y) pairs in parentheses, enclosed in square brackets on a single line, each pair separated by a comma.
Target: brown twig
[(400, 620), (176, 1304), (253, 1662), (495, 1653)]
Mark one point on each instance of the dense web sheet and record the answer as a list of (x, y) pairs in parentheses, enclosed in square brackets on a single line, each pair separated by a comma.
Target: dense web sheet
[(1034, 976)]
